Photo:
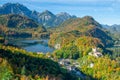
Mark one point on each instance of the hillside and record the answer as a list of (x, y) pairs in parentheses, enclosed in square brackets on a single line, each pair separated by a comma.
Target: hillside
[(14, 25), (17, 21), (47, 18), (80, 23), (85, 42), (75, 28), (16, 63)]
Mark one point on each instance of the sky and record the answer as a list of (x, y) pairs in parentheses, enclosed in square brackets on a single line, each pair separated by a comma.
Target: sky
[(103, 11)]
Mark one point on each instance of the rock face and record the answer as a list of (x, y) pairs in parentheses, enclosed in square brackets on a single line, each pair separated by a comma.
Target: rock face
[(46, 18)]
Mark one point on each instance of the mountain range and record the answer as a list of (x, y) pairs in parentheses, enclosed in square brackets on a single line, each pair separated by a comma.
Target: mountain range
[(47, 18), (18, 16), (112, 28)]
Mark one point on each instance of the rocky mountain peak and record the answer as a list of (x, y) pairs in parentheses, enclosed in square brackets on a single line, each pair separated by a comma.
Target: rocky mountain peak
[(46, 17), (14, 8)]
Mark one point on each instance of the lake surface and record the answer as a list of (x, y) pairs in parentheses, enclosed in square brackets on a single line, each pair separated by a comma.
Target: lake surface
[(34, 45)]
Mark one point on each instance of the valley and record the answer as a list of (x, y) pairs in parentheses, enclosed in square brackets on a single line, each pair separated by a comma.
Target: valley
[(46, 46)]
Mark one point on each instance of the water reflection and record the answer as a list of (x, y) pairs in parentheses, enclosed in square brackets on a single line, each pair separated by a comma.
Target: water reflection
[(34, 45)]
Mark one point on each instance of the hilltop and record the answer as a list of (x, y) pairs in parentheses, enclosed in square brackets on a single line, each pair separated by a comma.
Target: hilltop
[(14, 25), (75, 28)]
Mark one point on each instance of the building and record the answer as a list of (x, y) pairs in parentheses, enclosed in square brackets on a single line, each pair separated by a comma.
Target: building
[(95, 52), (57, 46)]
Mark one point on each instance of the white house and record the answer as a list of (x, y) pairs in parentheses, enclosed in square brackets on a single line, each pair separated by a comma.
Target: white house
[(64, 62), (95, 52), (57, 46), (91, 65)]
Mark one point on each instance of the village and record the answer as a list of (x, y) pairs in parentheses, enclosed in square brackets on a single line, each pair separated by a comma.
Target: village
[(72, 65)]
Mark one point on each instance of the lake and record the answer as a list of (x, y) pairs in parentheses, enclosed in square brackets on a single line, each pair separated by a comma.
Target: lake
[(34, 45)]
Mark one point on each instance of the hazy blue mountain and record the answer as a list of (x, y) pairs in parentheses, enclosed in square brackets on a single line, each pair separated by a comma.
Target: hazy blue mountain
[(116, 27), (61, 17), (112, 28), (105, 26)]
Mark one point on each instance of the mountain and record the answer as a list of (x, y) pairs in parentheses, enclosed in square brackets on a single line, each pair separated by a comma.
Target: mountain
[(15, 25), (17, 8), (14, 20), (75, 38), (112, 28), (75, 28), (61, 17), (114, 32), (79, 24), (115, 27), (105, 26), (47, 18)]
